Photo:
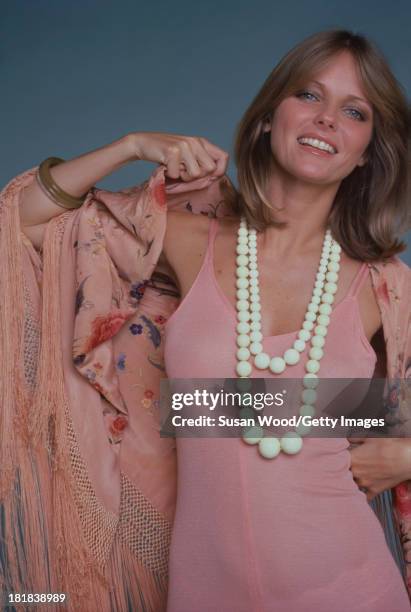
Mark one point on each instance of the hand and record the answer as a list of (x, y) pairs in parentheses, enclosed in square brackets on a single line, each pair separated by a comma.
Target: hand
[(378, 464), (185, 157)]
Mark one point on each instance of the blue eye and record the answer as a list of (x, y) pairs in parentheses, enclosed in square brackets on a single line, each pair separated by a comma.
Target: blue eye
[(355, 114), (306, 94)]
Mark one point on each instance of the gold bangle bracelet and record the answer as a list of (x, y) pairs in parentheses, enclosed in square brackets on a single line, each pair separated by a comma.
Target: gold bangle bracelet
[(52, 190)]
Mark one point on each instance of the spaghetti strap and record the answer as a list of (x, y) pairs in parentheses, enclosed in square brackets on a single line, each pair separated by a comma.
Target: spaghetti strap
[(212, 232), (358, 281)]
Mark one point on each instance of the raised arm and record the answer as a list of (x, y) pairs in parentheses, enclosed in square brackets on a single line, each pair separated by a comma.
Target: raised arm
[(185, 157)]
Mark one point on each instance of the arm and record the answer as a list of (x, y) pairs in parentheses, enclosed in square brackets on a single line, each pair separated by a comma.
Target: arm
[(185, 157), (75, 176)]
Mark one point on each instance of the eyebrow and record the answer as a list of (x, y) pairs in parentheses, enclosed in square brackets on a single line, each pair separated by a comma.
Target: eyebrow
[(350, 97)]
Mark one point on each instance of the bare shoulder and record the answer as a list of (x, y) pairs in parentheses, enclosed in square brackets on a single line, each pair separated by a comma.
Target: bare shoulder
[(185, 245), (183, 231), (185, 241)]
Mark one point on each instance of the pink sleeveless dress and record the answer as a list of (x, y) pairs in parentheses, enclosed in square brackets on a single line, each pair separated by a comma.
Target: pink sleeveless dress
[(294, 534)]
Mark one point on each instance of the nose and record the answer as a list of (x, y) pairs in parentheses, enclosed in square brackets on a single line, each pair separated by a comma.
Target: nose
[(326, 118)]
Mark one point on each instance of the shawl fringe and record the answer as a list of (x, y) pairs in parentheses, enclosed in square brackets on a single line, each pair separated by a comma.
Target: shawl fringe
[(43, 545)]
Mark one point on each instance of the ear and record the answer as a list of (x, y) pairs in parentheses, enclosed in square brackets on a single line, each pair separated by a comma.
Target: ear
[(267, 124), (363, 160)]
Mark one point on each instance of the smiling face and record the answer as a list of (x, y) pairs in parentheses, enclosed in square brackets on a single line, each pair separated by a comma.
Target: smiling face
[(320, 133)]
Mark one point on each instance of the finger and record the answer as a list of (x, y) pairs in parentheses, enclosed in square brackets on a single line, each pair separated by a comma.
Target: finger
[(173, 163), (188, 158), (204, 159), (184, 175), (218, 155)]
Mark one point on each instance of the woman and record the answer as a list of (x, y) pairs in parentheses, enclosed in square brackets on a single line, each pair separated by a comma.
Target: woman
[(329, 126)]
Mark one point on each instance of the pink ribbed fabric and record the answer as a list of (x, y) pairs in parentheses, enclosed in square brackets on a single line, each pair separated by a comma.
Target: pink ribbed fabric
[(290, 535)]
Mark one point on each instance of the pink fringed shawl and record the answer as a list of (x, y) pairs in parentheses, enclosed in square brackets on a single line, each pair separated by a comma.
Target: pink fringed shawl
[(87, 485)]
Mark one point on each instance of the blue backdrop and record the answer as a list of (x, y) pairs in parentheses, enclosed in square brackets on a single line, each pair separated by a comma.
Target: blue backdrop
[(79, 74)]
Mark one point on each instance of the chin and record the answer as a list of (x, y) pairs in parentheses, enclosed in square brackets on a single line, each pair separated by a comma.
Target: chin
[(312, 176)]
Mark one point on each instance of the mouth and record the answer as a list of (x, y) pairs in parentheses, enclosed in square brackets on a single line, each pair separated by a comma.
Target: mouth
[(317, 145)]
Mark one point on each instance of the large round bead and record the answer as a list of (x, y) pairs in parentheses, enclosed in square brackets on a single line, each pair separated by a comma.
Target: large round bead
[(308, 325), (243, 340), (310, 381), (310, 316), (242, 305), (331, 277), (323, 319), (256, 336), (242, 239), (242, 249), (255, 306), (243, 327), (304, 335), (256, 348), (243, 354), (334, 257), (242, 260), (320, 330), (242, 231), (262, 361), (318, 341), (309, 396), (299, 345), (291, 356), (333, 266), (312, 365), (325, 309), (242, 283), (291, 443), (242, 294), (316, 353), (307, 410), (302, 429), (253, 435), (269, 447), (243, 368), (327, 298), (277, 365), (242, 272), (243, 316)]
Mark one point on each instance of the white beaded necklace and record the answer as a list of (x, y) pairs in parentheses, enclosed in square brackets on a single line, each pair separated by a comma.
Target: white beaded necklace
[(249, 336)]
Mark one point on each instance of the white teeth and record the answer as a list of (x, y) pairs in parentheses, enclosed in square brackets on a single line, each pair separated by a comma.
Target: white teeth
[(318, 144)]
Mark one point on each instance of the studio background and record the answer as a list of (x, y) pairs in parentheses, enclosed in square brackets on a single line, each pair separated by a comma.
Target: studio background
[(78, 74)]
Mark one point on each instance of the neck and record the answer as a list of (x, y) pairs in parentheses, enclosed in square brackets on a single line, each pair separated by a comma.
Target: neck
[(305, 207)]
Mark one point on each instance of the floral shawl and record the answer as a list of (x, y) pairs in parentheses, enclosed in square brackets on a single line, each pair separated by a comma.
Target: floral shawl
[(87, 486)]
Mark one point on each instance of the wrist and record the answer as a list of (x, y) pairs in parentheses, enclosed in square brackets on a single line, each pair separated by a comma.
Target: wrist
[(131, 146)]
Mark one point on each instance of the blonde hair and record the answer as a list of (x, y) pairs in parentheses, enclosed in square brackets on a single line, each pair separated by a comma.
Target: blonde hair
[(371, 208)]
